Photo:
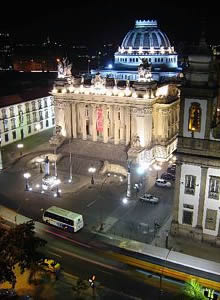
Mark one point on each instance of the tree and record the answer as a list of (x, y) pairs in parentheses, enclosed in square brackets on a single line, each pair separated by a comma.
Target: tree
[(18, 246), (193, 290)]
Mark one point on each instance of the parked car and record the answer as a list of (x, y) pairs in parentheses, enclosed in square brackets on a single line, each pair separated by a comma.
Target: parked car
[(162, 183), (168, 176), (149, 198), (171, 170), (50, 265)]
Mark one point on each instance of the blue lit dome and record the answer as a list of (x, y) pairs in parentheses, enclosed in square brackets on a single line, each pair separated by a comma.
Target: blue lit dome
[(146, 35)]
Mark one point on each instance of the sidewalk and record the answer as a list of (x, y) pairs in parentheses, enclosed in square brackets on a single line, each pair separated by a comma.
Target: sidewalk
[(186, 245)]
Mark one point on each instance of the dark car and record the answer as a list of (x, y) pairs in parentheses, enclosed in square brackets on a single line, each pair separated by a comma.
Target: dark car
[(171, 170), (168, 176)]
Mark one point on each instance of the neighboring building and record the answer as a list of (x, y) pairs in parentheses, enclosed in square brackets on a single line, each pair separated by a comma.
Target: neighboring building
[(25, 114), (144, 117), (145, 41), (197, 195)]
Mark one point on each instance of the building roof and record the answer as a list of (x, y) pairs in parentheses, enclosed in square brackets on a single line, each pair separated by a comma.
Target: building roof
[(24, 96)]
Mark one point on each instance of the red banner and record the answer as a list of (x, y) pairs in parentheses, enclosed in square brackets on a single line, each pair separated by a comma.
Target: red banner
[(99, 122)]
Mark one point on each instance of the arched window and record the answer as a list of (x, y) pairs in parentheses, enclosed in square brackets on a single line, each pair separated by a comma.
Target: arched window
[(195, 117)]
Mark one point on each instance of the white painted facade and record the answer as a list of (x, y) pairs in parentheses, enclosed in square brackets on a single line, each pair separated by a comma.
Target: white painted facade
[(23, 119)]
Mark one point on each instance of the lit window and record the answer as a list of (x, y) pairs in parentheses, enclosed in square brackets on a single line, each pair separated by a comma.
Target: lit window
[(195, 117), (190, 184), (214, 184)]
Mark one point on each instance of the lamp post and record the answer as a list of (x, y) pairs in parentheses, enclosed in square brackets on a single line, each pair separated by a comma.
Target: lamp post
[(57, 194), (92, 170), (27, 176), (20, 147), (129, 179), (71, 168), (40, 160), (88, 65), (157, 168), (55, 162), (161, 275)]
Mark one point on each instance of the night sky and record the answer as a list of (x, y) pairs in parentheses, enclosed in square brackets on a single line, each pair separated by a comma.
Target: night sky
[(108, 21)]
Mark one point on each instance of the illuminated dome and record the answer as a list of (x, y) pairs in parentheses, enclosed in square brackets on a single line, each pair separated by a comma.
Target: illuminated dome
[(144, 43), (146, 35)]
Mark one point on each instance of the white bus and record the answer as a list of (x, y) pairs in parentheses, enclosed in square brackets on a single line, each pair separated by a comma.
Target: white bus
[(63, 218)]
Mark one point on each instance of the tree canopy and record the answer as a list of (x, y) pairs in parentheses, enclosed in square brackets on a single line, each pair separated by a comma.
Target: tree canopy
[(18, 246)]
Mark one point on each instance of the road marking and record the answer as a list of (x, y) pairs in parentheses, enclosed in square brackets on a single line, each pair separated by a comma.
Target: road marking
[(91, 203)]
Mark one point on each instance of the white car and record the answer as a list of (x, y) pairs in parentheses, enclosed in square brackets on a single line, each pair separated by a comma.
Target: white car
[(149, 198), (162, 183)]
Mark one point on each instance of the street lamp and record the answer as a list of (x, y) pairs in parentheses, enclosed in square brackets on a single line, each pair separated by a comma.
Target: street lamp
[(129, 179), (71, 168), (26, 176), (92, 170), (157, 168), (88, 65), (40, 160), (20, 146), (58, 191)]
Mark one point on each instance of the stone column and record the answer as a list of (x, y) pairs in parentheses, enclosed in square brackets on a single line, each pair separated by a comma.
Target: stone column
[(199, 229), (83, 122), (105, 124), (116, 123), (94, 130), (128, 125), (68, 119), (74, 120), (175, 220), (122, 124), (147, 126)]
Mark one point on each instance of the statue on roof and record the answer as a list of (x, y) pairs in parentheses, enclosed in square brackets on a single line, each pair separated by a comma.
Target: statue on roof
[(98, 81), (64, 68), (144, 71)]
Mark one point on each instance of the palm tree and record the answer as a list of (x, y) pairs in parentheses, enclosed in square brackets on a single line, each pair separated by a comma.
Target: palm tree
[(193, 290)]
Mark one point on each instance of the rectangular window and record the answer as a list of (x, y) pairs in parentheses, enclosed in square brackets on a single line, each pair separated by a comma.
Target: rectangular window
[(187, 217), (21, 117), (190, 184), (39, 104), (214, 184), (28, 119), (210, 221), (34, 116), (41, 115), (41, 125), (47, 114), (53, 121), (4, 115), (29, 129), (45, 102), (33, 105), (13, 124), (47, 123), (14, 135), (27, 108), (5, 125), (12, 114), (6, 137)]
